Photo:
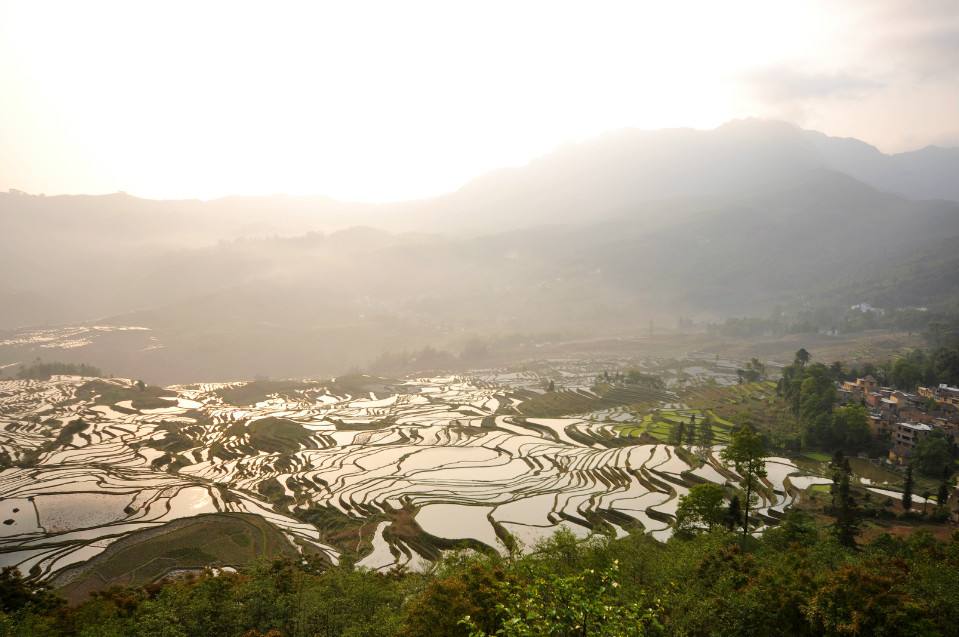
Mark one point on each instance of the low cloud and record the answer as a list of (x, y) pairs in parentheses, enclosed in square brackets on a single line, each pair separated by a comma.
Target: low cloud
[(774, 85)]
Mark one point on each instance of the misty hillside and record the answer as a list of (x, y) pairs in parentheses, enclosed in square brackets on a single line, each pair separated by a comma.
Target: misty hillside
[(928, 173), (619, 172), (596, 238)]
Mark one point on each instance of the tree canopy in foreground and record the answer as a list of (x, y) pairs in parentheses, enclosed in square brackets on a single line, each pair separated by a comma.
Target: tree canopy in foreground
[(794, 580)]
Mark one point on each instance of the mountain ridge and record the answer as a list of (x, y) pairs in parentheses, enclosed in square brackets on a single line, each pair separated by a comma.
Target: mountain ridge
[(735, 225)]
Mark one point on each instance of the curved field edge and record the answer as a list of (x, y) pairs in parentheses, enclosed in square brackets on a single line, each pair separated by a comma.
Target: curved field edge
[(214, 540)]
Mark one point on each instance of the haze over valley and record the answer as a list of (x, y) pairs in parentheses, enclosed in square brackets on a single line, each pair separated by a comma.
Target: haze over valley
[(594, 240), (451, 319)]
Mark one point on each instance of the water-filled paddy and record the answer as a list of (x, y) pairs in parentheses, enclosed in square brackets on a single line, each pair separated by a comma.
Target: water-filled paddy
[(447, 455), (453, 521)]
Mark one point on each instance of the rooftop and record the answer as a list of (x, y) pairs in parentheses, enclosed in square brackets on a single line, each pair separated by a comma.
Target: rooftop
[(916, 426)]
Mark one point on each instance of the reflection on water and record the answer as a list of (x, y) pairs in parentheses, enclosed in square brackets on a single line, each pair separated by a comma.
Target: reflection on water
[(453, 452), (458, 521)]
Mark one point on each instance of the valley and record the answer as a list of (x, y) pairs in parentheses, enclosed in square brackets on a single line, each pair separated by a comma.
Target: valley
[(389, 472)]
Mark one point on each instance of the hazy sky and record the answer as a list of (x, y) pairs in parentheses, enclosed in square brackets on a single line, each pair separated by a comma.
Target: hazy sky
[(388, 100)]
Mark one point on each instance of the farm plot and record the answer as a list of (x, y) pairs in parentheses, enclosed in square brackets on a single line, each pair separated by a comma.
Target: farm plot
[(390, 471), (756, 402), (680, 426)]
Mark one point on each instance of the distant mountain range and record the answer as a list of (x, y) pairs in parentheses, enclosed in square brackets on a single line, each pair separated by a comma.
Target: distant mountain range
[(597, 237), (623, 171)]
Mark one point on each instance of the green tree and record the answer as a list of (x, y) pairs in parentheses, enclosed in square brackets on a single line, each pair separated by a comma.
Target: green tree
[(702, 509), (836, 369), (747, 453), (925, 500), (944, 366), (846, 525), (734, 514), (802, 357), (678, 433), (39, 370), (17, 593), (796, 528), (855, 600), (932, 454), (850, 428), (158, 619), (587, 604), (942, 497), (836, 470), (705, 432), (473, 589), (636, 377), (817, 393), (907, 490)]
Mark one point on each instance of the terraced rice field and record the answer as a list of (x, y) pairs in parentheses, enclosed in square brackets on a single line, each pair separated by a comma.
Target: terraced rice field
[(390, 471), (664, 425), (756, 402)]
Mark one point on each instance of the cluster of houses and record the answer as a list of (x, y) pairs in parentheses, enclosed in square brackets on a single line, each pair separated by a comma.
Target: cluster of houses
[(901, 417)]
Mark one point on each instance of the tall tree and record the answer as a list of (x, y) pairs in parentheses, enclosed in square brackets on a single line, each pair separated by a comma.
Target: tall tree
[(907, 490), (836, 370), (817, 393), (701, 509), (836, 470), (942, 497), (734, 514), (932, 454), (678, 433), (846, 526), (747, 453), (802, 356), (906, 374), (849, 429), (705, 431)]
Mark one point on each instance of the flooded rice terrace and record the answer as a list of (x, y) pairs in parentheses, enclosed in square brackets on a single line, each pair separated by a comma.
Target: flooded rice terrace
[(393, 472)]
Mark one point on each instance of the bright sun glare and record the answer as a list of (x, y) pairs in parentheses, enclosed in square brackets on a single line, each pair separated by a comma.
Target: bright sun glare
[(359, 100)]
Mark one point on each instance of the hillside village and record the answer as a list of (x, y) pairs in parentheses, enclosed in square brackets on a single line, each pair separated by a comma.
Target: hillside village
[(903, 418)]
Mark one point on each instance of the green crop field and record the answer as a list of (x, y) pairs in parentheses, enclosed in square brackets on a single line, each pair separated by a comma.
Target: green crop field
[(663, 425), (756, 403)]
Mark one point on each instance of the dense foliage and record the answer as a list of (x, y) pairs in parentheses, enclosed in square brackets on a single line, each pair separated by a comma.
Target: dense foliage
[(934, 454), (746, 453), (918, 367), (810, 390), (939, 326), (795, 580), (636, 377), (713, 578), (39, 370), (702, 509)]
